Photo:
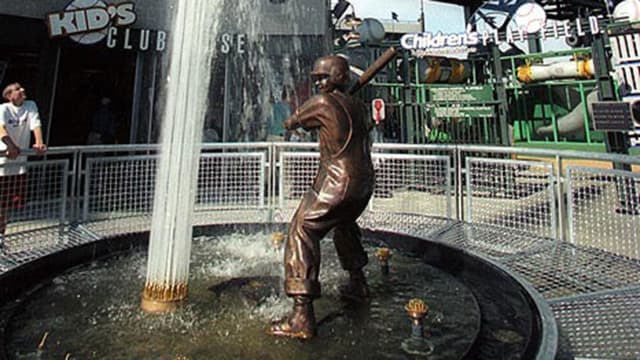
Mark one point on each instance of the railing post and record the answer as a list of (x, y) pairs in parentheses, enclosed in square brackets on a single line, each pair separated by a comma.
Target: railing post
[(459, 184), (74, 191), (270, 165), (560, 196)]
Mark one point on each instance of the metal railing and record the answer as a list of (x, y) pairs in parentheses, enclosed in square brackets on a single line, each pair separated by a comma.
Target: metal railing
[(559, 195)]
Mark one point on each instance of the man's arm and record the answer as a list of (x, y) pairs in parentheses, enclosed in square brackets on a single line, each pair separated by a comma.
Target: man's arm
[(39, 145), (12, 149), (36, 128)]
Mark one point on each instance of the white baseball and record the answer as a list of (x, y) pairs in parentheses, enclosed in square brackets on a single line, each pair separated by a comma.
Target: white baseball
[(89, 37), (629, 9), (531, 17)]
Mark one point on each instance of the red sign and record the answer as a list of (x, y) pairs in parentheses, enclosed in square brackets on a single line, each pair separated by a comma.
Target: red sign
[(377, 110)]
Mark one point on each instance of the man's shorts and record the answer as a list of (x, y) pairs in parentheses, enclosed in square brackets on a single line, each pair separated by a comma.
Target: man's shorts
[(13, 191)]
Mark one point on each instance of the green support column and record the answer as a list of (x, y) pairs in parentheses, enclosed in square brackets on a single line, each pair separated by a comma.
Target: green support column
[(501, 95), (535, 46), (407, 114)]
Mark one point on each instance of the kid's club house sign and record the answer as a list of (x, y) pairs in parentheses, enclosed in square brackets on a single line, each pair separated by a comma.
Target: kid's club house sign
[(92, 21)]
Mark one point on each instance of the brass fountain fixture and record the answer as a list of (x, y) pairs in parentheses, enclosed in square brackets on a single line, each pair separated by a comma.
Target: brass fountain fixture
[(277, 238), (417, 344), (162, 298), (383, 255), (417, 310)]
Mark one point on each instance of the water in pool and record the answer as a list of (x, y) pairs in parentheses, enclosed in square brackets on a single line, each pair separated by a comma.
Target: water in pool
[(93, 311)]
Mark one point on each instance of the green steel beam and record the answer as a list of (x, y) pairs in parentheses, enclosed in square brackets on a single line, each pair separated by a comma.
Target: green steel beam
[(501, 95)]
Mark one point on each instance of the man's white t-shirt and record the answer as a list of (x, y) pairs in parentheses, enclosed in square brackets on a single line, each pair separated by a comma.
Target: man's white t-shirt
[(19, 122)]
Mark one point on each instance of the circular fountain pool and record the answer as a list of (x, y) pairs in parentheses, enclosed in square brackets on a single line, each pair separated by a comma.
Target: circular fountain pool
[(93, 310)]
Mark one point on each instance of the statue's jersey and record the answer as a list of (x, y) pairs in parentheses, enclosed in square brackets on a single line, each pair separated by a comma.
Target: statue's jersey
[(345, 155)]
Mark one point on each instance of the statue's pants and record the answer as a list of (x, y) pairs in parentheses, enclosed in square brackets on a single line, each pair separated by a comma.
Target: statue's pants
[(316, 215)]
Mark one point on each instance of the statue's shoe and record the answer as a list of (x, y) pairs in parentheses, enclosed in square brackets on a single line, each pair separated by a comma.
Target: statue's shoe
[(355, 292), (286, 329)]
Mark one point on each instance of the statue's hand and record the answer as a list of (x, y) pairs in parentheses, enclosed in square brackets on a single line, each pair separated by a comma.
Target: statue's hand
[(290, 123)]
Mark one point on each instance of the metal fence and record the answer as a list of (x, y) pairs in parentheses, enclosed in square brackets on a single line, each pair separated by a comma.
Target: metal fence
[(512, 194), (35, 203), (604, 209), (420, 189)]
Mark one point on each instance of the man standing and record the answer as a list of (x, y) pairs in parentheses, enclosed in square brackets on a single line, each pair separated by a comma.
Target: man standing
[(340, 192), (280, 112), (18, 117), (103, 124)]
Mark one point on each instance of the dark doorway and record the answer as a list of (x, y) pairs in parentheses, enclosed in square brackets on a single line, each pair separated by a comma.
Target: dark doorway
[(86, 75), (21, 51)]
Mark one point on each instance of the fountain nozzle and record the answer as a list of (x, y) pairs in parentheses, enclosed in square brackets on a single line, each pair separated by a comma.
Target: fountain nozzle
[(417, 310), (417, 344), (277, 238), (162, 297), (383, 255)]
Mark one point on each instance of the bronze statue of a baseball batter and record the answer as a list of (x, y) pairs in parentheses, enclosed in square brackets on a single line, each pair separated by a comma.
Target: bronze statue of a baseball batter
[(340, 192)]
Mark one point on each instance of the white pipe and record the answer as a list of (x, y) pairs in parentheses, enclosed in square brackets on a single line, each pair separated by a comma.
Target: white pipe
[(560, 70)]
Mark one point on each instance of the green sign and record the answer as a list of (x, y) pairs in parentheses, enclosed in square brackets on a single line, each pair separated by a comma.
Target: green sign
[(462, 110), (461, 101), (461, 94)]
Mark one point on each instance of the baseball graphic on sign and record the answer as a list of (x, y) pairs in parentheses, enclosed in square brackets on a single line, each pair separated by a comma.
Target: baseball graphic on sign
[(628, 10), (93, 36), (531, 17)]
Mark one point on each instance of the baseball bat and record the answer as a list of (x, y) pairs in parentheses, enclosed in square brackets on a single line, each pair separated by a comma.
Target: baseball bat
[(372, 70)]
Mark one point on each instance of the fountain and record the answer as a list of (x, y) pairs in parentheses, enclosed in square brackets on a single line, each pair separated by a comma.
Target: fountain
[(234, 276), (170, 244), (196, 25)]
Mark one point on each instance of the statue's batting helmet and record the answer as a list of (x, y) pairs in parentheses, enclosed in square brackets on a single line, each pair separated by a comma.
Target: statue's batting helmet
[(335, 67)]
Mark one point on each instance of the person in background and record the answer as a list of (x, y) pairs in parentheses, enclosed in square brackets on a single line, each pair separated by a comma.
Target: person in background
[(18, 117), (102, 128), (281, 111), (295, 135), (378, 130)]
